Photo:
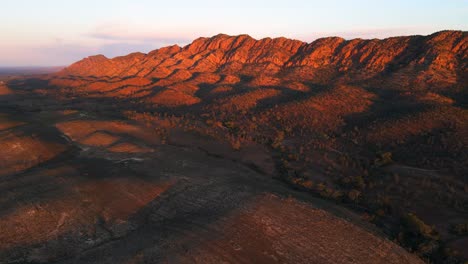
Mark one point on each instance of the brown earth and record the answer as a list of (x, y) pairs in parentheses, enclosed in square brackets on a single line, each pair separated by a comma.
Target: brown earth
[(105, 192), (241, 150)]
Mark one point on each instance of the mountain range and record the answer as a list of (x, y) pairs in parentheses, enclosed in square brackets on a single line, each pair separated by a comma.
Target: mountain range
[(439, 59), (240, 150)]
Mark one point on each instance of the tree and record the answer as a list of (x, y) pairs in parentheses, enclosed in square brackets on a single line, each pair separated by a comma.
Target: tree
[(353, 195)]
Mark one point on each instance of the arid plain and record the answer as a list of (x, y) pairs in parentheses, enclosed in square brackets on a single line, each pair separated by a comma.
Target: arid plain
[(238, 150)]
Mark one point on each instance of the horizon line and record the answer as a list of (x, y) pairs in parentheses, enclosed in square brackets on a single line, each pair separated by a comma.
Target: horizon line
[(24, 66)]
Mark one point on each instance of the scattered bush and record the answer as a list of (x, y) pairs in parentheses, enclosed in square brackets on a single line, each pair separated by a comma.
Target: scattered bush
[(459, 229), (417, 227), (353, 195), (383, 159)]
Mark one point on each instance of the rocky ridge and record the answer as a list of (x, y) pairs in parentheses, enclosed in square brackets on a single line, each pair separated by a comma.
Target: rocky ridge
[(440, 58)]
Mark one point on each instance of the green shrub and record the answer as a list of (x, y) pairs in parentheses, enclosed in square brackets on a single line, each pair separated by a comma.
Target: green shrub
[(383, 159), (459, 229), (416, 226), (353, 195)]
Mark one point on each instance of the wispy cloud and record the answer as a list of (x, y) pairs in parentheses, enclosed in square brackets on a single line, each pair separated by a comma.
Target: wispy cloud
[(139, 38), (111, 40), (128, 32), (62, 54)]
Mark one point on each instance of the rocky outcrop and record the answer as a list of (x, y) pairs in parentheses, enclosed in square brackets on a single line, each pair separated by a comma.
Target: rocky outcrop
[(432, 57)]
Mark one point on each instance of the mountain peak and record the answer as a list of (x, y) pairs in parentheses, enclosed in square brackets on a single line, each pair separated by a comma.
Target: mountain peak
[(98, 57), (360, 59)]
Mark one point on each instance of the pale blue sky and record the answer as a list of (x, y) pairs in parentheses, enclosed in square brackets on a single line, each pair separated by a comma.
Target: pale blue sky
[(59, 32)]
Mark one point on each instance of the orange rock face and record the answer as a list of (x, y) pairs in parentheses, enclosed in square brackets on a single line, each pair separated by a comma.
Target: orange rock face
[(437, 61), (177, 154), (445, 50)]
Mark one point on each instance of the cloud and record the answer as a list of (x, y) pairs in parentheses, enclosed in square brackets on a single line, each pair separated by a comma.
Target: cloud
[(116, 39), (61, 54), (128, 32), (143, 38), (111, 40)]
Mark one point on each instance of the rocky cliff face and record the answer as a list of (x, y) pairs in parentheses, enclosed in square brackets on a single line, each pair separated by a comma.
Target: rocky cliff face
[(440, 58)]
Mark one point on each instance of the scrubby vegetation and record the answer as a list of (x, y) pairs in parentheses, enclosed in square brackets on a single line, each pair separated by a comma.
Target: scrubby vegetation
[(377, 132), (384, 176)]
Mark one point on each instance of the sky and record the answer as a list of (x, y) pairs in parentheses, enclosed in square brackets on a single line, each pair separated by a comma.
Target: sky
[(60, 32)]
